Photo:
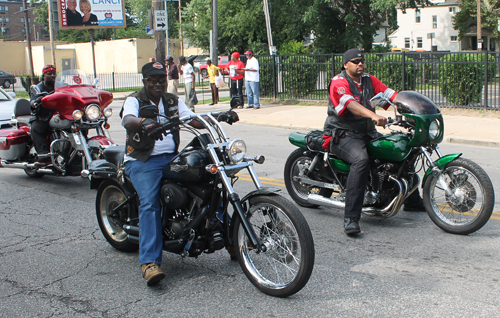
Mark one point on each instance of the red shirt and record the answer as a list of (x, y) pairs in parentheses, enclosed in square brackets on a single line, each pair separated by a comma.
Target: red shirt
[(237, 65), (341, 96)]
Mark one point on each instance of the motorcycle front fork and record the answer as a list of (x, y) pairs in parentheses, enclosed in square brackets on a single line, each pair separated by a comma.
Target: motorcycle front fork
[(436, 171)]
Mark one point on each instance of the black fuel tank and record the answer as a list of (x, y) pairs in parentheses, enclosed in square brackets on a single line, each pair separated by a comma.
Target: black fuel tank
[(189, 167)]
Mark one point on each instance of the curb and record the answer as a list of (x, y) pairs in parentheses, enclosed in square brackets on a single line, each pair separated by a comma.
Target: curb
[(473, 142)]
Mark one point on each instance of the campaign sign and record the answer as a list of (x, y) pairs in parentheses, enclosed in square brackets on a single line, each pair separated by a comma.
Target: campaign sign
[(91, 14)]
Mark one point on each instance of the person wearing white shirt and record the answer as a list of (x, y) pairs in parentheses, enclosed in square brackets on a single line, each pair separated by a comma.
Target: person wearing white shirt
[(252, 80), (189, 81)]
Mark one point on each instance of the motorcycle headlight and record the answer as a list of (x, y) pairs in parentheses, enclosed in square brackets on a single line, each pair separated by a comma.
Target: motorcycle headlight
[(236, 151), (434, 129), (108, 112), (77, 115), (93, 112)]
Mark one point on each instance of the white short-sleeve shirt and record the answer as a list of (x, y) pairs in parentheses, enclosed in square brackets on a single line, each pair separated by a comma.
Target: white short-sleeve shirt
[(187, 70), (252, 64), (167, 145)]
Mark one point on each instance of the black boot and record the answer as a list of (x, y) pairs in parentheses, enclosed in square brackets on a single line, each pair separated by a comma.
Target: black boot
[(351, 226)]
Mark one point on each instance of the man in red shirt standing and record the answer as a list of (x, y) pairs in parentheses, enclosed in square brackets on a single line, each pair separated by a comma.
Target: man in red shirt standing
[(350, 125), (235, 67)]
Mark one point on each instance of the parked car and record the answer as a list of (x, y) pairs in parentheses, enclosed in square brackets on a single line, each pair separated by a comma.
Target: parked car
[(7, 104), (223, 61), (6, 79)]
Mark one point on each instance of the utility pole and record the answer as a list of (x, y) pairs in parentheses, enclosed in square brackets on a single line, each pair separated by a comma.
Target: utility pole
[(180, 29), (27, 28), (479, 36), (268, 27), (215, 33), (159, 36), (51, 33)]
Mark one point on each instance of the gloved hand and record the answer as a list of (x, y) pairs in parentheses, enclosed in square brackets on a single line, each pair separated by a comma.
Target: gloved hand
[(229, 117), (36, 102), (148, 125)]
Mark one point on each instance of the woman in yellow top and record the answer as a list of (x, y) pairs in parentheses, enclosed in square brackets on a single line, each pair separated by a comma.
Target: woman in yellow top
[(212, 71)]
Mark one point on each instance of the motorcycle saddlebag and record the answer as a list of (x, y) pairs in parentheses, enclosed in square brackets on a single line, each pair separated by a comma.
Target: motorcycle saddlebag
[(314, 140), (13, 143)]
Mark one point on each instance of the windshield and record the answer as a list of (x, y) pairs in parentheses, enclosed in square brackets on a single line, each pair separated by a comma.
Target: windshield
[(72, 77), (410, 102)]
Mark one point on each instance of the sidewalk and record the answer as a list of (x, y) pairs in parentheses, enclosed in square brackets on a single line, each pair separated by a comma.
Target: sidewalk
[(480, 131)]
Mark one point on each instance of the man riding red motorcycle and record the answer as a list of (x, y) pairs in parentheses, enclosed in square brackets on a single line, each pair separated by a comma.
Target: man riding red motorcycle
[(40, 123)]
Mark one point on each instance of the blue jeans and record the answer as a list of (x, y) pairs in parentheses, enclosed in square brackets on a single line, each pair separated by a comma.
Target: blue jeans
[(146, 178), (253, 93)]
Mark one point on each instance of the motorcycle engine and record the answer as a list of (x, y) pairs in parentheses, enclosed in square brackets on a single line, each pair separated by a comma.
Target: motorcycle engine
[(173, 196)]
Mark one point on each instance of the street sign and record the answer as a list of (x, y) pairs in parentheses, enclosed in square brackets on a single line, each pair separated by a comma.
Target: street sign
[(149, 31), (160, 22)]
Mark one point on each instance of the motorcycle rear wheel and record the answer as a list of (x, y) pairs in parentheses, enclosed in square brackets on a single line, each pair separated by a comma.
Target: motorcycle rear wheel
[(287, 263), (296, 165), (471, 204), (109, 196)]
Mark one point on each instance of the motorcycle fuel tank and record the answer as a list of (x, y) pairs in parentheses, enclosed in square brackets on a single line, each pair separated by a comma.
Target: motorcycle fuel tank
[(13, 143), (188, 166), (393, 147)]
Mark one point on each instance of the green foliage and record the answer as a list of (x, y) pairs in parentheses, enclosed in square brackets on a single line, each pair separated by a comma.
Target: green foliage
[(467, 16), (461, 83), (392, 70), (293, 48), (26, 81), (300, 74), (266, 75), (373, 65)]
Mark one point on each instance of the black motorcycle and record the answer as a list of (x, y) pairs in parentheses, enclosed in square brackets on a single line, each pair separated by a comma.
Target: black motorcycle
[(201, 212)]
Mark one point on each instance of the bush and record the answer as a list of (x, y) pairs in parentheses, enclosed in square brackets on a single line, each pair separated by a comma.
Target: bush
[(392, 70), (462, 83), (373, 65), (266, 76), (300, 74), (25, 81)]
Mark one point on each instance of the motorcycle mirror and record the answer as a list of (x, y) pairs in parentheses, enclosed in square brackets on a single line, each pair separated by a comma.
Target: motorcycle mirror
[(378, 100), (148, 111), (34, 90), (96, 82)]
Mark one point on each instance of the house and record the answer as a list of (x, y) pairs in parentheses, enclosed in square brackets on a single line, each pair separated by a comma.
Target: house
[(431, 29)]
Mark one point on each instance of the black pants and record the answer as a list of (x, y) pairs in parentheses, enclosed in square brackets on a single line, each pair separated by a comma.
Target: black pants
[(39, 131), (237, 90), (353, 151)]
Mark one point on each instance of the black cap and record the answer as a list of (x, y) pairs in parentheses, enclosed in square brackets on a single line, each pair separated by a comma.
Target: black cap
[(351, 54), (182, 59), (153, 68), (169, 58)]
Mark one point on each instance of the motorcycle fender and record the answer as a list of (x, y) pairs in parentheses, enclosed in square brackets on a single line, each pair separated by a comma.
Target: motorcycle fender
[(298, 139), (97, 141), (441, 163)]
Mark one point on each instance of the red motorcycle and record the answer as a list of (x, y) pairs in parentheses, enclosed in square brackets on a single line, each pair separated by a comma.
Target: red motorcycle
[(78, 129)]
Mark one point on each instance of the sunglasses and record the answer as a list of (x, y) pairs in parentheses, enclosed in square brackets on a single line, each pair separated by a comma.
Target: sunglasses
[(153, 81), (357, 61)]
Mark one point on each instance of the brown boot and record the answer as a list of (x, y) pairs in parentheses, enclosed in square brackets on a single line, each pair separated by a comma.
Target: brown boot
[(152, 273)]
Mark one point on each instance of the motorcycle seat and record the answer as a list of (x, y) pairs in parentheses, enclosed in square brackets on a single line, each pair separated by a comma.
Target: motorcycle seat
[(114, 155)]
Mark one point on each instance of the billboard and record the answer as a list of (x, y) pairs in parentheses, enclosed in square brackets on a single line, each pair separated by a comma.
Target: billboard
[(91, 14)]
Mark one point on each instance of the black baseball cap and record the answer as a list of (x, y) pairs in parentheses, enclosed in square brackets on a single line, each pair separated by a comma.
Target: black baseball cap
[(351, 54), (169, 58), (153, 68)]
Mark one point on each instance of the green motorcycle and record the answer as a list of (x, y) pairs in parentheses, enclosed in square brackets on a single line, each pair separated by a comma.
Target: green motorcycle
[(458, 194)]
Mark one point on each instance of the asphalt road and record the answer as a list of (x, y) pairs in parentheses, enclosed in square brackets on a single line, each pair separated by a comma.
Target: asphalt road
[(55, 262)]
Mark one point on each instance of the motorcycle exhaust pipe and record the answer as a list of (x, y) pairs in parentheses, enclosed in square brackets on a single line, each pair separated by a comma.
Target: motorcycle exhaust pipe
[(131, 230), (391, 209), (24, 165)]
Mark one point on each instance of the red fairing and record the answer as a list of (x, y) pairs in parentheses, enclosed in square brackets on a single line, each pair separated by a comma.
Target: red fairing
[(67, 99), (103, 140)]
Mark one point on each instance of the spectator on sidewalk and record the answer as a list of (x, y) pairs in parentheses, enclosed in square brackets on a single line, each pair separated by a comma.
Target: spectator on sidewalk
[(189, 81), (236, 71), (252, 80), (212, 71), (172, 75)]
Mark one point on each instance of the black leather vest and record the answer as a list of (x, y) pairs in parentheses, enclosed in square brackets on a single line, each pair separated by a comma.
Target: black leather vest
[(357, 126), (140, 146)]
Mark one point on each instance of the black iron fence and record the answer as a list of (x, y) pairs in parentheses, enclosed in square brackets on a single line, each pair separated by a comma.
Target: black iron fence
[(464, 79)]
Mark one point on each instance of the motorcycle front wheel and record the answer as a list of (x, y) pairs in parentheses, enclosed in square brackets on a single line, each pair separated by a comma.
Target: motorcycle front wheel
[(111, 221), (468, 203), (297, 165), (286, 262)]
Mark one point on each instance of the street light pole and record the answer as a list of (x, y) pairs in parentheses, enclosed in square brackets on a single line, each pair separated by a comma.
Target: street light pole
[(479, 36), (215, 34), (27, 28)]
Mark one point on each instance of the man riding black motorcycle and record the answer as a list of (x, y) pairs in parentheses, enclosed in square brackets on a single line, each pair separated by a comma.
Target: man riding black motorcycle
[(350, 125), (40, 122), (146, 157)]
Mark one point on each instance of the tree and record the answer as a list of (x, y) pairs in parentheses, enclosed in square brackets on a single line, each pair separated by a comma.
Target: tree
[(467, 18)]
